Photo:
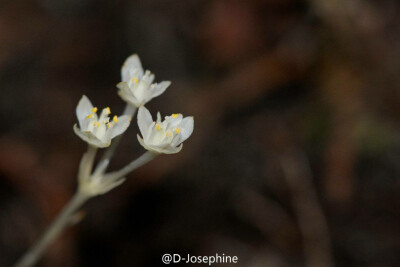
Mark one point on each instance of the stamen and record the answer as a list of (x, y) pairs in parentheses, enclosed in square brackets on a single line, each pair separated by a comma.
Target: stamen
[(115, 118), (89, 116), (94, 110), (94, 123), (135, 80), (168, 134), (175, 115), (108, 110), (178, 130), (158, 127)]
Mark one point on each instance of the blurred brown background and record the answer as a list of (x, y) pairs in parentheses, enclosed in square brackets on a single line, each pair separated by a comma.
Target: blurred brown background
[(295, 156)]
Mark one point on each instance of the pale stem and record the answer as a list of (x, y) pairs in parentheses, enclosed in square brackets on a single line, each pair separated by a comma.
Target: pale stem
[(108, 154), (143, 159), (64, 217), (58, 225), (86, 165)]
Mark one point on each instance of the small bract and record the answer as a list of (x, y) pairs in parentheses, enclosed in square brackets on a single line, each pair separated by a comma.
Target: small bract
[(98, 131), (163, 136), (137, 87)]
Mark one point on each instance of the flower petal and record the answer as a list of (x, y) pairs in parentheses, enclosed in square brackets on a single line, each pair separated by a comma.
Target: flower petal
[(173, 121), (187, 126), (124, 90), (148, 77), (123, 86), (149, 132), (144, 120), (126, 94), (143, 144), (160, 88), (176, 141), (158, 149), (131, 65), (90, 138), (172, 150), (83, 109), (120, 126)]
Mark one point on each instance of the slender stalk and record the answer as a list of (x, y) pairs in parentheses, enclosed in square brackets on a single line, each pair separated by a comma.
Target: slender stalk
[(143, 159), (86, 165), (33, 255), (108, 154), (58, 225), (64, 217)]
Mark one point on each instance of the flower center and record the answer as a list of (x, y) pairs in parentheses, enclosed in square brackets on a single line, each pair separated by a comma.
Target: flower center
[(99, 126)]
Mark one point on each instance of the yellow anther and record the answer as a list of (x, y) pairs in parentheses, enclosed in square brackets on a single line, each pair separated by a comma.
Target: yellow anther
[(89, 116), (178, 130), (108, 110), (175, 115), (98, 124), (168, 133), (115, 118), (94, 123), (158, 127), (135, 80), (110, 124), (94, 110)]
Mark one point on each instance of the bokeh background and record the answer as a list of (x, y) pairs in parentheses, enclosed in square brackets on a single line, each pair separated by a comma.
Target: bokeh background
[(295, 157)]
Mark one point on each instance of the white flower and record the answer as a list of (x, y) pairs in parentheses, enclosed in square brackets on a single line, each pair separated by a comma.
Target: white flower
[(131, 68), (98, 131), (163, 136), (137, 88)]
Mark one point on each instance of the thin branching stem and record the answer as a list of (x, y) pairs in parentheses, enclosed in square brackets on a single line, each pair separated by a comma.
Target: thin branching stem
[(33, 255), (109, 152), (143, 159), (64, 217)]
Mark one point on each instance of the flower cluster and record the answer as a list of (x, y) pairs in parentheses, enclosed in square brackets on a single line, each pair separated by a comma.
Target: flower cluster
[(99, 129), (137, 88)]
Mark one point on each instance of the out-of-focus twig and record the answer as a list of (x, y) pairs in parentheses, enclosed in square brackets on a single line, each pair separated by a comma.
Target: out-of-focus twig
[(267, 216), (311, 220), (342, 89)]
